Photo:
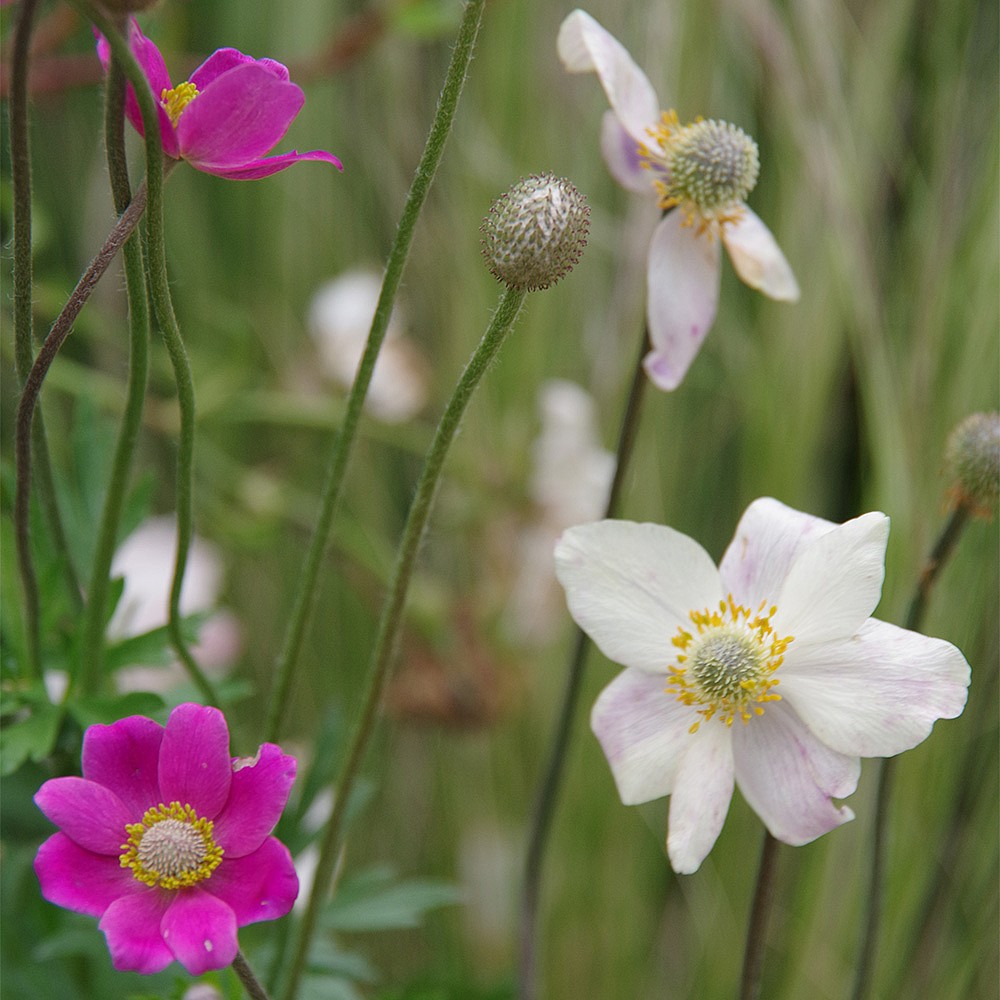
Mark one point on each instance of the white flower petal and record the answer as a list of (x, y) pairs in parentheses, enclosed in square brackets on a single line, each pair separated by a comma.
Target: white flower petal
[(835, 582), (621, 154), (682, 280), (700, 800), (586, 47), (643, 732), (767, 541), (758, 259), (877, 693), (789, 777), (630, 586)]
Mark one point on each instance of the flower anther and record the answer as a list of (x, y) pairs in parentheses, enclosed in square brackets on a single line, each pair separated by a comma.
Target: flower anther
[(706, 168), (171, 848), (726, 666), (176, 99)]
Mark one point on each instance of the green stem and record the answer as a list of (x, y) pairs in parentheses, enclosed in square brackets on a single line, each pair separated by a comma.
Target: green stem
[(760, 912), (305, 597), (251, 983), (548, 791), (392, 613), (138, 367), (159, 287), (864, 977)]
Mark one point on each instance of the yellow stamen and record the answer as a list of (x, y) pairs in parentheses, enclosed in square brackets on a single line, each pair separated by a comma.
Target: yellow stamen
[(176, 100)]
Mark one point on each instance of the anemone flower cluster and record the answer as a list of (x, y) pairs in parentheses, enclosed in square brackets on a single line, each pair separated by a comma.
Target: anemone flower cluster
[(166, 839), (223, 120), (700, 175), (766, 672)]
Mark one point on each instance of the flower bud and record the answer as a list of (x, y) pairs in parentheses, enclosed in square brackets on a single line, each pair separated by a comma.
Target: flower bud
[(535, 232), (972, 457)]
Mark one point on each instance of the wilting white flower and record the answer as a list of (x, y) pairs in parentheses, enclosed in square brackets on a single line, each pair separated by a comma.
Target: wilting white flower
[(146, 562), (705, 171), (766, 671), (570, 478), (339, 320)]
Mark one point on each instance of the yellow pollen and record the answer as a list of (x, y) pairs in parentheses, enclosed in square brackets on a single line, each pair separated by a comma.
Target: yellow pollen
[(171, 848), (176, 100), (726, 666)]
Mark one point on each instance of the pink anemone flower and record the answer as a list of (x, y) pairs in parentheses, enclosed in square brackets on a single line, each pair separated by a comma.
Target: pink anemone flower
[(704, 171), (166, 840), (223, 121)]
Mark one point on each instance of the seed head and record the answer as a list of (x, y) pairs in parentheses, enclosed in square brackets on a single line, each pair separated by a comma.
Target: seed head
[(535, 232), (972, 457), (712, 165)]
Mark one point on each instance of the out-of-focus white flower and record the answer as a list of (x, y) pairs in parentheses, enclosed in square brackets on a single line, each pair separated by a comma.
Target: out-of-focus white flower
[(146, 562), (339, 320), (307, 860), (766, 672), (703, 171), (570, 478)]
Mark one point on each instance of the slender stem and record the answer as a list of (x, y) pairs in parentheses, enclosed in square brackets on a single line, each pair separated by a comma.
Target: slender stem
[(864, 976), (159, 287), (760, 912), (305, 597), (251, 983), (545, 802), (138, 366), (20, 163), (392, 613)]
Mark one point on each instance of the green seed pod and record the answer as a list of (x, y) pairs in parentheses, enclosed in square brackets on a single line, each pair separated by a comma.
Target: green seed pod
[(972, 457)]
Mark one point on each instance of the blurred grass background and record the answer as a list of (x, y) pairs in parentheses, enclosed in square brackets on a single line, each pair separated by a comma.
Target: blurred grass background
[(877, 125)]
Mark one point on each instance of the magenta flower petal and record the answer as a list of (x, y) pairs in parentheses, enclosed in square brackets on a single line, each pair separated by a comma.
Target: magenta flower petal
[(125, 758), (195, 766), (257, 798), (88, 813), (268, 165), (131, 925), (80, 880), (219, 62), (239, 117), (200, 930), (261, 886)]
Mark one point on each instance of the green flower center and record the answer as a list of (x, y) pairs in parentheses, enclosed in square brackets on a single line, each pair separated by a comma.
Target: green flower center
[(726, 665), (172, 847)]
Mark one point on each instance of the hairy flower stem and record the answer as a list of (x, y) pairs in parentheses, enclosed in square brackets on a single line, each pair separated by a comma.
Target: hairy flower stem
[(251, 983), (159, 288), (548, 791), (138, 368), (864, 975), (760, 912), (392, 614), (305, 597)]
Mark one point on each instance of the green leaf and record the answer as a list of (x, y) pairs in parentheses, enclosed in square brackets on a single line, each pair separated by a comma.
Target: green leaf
[(374, 901), (29, 738), (91, 711)]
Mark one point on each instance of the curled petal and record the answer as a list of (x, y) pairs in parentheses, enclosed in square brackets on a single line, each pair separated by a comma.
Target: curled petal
[(195, 767), (643, 732), (219, 62), (835, 582), (621, 154), (767, 541), (879, 692), (131, 925), (256, 800), (789, 777), (586, 47), (239, 117), (758, 259), (260, 886), (268, 165), (630, 586), (682, 297), (124, 757), (80, 880), (200, 931), (88, 813), (700, 800)]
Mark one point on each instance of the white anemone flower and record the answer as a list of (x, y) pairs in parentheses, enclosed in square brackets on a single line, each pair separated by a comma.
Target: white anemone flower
[(704, 171), (766, 672)]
